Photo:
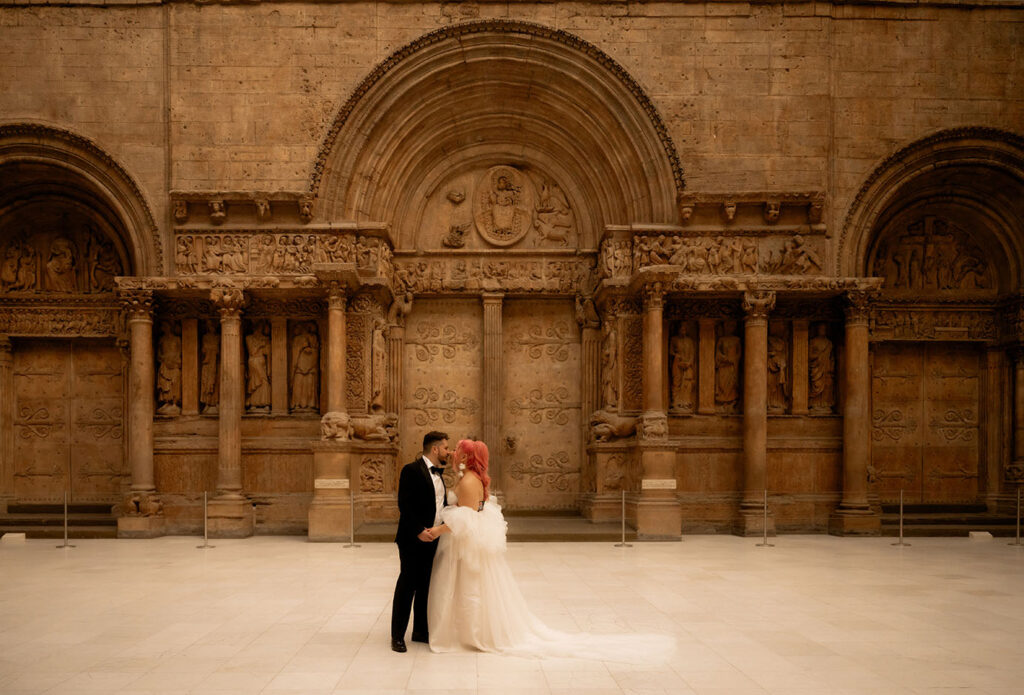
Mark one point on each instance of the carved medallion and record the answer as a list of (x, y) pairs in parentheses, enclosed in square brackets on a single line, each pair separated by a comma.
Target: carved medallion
[(503, 206)]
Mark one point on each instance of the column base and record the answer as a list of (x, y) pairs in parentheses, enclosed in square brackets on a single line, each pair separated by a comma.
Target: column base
[(855, 522), (230, 516), (140, 527), (751, 522), (330, 512)]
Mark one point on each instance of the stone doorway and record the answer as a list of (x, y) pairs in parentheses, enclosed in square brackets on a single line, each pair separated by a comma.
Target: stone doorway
[(925, 422), (68, 429)]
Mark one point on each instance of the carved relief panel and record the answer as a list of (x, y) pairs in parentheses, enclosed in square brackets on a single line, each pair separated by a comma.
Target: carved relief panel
[(68, 422), (541, 419), (442, 372), (925, 414), (498, 207), (57, 247)]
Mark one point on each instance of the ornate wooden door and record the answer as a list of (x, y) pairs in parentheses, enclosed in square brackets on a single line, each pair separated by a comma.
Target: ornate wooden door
[(925, 399), (540, 447), (68, 422)]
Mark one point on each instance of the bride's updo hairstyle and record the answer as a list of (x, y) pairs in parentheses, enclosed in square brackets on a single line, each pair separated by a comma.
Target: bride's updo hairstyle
[(476, 460)]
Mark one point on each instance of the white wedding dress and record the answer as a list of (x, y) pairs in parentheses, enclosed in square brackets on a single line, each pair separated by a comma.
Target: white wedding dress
[(475, 602)]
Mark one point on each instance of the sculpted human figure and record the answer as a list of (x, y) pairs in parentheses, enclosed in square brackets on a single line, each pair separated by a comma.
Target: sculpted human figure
[(60, 266), (305, 368), (728, 350), (209, 370), (683, 352), (822, 367), (168, 376), (778, 382), (104, 265), (257, 385)]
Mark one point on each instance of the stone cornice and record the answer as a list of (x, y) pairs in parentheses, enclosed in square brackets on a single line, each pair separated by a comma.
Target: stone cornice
[(676, 281)]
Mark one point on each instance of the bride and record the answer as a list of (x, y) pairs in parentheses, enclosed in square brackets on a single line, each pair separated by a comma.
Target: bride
[(475, 602)]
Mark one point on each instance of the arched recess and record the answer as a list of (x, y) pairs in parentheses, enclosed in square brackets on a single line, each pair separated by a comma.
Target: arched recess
[(43, 168), (972, 177), (484, 94)]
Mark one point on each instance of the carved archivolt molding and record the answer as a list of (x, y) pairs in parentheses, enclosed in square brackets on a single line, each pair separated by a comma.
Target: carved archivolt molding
[(641, 184), (971, 146), (63, 149)]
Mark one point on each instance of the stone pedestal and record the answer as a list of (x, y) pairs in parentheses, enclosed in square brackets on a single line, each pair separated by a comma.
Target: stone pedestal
[(330, 512), (614, 471), (855, 515), (230, 518), (140, 526), (658, 512)]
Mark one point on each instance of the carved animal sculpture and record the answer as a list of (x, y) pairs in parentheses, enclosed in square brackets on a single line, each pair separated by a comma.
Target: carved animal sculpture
[(335, 426), (606, 426), (381, 427)]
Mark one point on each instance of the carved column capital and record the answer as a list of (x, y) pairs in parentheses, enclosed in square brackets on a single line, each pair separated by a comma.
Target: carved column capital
[(654, 295), (858, 305), (757, 304), (5, 347), (337, 296), (137, 304), (228, 300)]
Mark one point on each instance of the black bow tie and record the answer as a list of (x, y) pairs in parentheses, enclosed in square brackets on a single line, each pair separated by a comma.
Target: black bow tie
[(436, 471)]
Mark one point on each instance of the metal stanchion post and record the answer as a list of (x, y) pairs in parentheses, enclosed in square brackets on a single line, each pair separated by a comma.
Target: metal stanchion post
[(900, 541), (66, 544), (1017, 539), (764, 543), (352, 518), (623, 543), (206, 536)]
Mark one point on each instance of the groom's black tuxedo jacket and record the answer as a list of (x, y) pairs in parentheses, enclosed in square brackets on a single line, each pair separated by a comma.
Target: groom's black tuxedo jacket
[(416, 501)]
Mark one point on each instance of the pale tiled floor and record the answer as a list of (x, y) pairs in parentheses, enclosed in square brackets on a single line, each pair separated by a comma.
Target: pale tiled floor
[(265, 615)]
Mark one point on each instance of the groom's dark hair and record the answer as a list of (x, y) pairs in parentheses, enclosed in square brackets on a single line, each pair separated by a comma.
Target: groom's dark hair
[(430, 437)]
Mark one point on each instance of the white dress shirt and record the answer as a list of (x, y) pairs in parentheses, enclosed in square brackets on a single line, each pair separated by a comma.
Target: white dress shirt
[(438, 492)]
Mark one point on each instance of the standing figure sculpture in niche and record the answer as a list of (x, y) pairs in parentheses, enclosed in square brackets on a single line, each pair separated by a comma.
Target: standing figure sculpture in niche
[(305, 368), (257, 383), (727, 368), (822, 366), (209, 371), (683, 351), (168, 376), (778, 365)]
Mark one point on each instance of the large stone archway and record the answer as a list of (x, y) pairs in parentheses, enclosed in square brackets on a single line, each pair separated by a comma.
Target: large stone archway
[(71, 221)]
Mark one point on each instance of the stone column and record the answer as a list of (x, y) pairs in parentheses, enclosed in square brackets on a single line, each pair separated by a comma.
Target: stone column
[(231, 514), (756, 306), (138, 306), (658, 513), (1015, 473), (854, 515), (590, 395), (396, 350), (6, 422), (492, 386), (337, 303)]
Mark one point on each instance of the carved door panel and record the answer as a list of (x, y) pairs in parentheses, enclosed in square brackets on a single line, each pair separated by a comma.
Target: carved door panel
[(925, 399), (41, 420), (896, 390), (97, 462), (442, 372), (68, 422), (950, 439), (540, 451)]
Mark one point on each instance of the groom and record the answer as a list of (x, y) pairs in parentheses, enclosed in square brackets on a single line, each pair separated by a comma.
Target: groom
[(421, 495)]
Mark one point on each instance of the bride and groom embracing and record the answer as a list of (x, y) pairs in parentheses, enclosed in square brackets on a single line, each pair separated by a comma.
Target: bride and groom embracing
[(453, 570)]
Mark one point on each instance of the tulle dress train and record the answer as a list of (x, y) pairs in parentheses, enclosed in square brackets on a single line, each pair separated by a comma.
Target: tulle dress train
[(475, 602)]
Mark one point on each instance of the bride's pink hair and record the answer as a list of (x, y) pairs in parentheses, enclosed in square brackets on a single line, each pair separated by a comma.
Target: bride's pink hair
[(476, 460)]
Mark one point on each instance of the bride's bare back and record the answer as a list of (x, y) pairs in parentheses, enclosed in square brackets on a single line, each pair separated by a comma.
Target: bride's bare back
[(470, 491)]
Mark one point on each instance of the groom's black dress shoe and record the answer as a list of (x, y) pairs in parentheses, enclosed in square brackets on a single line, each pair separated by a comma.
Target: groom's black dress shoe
[(398, 645), (417, 637)]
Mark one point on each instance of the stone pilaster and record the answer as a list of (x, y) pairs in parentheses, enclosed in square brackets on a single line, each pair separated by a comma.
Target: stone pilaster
[(6, 422), (279, 366), (801, 375), (706, 365), (138, 308), (854, 515), (337, 303), (658, 513), (231, 514), (1015, 472), (492, 370), (396, 349), (756, 307), (190, 366)]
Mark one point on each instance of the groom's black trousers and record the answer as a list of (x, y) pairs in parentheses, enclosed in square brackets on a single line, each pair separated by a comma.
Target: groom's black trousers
[(416, 560)]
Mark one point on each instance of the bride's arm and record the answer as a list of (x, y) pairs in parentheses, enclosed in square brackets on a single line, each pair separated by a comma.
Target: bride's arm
[(468, 490)]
